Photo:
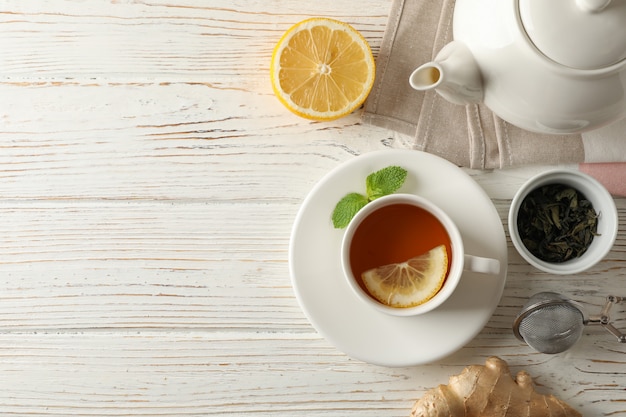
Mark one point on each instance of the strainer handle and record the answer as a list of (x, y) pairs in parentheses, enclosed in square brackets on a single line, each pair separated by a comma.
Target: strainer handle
[(604, 319)]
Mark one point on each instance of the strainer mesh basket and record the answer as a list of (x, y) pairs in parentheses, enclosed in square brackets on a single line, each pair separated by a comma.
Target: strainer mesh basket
[(551, 328)]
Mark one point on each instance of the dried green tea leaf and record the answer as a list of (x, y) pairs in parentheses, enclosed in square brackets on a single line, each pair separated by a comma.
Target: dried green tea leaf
[(557, 223)]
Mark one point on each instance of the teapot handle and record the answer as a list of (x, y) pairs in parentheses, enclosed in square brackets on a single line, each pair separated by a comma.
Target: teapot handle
[(592, 6)]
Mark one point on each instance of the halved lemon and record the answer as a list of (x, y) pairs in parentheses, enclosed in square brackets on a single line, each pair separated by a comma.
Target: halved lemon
[(322, 69), (410, 283)]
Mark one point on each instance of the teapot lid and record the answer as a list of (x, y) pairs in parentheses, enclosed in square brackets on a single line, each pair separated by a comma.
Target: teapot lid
[(582, 34)]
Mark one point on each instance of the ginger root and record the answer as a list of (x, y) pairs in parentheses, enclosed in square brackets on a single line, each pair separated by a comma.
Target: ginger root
[(490, 391)]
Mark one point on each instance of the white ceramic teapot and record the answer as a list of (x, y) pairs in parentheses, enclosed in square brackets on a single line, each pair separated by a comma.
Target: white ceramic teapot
[(551, 66)]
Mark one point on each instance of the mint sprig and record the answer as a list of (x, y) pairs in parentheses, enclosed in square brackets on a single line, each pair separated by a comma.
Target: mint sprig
[(380, 183)]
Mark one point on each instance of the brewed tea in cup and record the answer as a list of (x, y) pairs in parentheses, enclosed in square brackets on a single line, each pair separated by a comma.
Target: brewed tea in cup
[(403, 255)]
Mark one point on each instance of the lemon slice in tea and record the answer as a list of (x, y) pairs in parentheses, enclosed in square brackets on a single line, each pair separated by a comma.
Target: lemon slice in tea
[(409, 283), (322, 69)]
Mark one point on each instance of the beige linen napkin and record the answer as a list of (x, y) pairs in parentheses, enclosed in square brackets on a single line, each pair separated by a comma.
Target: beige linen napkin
[(470, 136)]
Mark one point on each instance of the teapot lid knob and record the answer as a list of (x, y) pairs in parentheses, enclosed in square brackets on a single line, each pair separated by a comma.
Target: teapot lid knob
[(582, 34), (592, 5)]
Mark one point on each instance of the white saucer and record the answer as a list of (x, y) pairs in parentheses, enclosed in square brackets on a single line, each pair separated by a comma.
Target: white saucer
[(372, 336)]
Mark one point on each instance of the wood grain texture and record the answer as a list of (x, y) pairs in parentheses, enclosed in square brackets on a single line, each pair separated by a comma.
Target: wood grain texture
[(148, 184)]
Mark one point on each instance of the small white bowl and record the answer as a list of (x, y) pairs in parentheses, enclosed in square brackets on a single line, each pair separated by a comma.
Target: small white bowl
[(603, 204)]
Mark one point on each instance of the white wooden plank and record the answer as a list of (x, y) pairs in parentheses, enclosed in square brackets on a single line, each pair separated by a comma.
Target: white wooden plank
[(169, 40), (161, 373)]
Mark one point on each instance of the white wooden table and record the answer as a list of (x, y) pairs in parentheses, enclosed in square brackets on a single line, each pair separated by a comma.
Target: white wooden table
[(149, 180)]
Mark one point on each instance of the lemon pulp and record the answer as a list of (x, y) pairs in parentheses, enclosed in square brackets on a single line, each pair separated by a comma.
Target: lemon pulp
[(409, 283)]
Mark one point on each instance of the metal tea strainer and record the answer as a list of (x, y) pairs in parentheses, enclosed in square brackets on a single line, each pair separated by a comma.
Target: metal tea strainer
[(551, 323)]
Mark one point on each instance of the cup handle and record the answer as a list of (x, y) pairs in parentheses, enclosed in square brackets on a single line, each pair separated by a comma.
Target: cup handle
[(483, 265)]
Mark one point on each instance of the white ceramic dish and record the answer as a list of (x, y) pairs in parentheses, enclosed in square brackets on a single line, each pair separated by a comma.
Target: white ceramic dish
[(372, 336), (602, 203)]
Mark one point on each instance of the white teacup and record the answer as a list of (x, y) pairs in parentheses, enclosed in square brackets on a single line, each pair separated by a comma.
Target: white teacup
[(386, 215)]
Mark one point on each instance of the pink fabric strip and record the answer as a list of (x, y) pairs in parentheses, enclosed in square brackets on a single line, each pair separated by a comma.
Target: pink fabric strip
[(611, 175)]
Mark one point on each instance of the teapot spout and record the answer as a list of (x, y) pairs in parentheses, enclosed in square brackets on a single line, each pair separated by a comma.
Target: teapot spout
[(453, 74)]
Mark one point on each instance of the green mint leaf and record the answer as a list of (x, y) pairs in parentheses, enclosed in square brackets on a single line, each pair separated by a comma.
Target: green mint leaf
[(386, 181), (346, 208)]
